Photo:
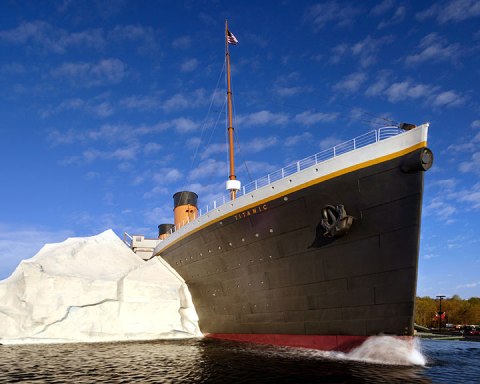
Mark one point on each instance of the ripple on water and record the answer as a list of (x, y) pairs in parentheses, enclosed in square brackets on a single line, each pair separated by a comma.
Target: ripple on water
[(214, 361)]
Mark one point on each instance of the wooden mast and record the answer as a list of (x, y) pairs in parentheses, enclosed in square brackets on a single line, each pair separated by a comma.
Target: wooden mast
[(233, 187)]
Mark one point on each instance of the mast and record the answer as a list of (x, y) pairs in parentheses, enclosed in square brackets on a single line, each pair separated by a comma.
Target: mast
[(233, 185)]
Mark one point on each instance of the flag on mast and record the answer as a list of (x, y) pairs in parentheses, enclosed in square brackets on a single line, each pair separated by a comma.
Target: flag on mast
[(231, 39)]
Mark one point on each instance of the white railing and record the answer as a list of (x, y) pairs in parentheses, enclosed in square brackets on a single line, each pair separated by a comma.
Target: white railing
[(348, 146), (127, 239)]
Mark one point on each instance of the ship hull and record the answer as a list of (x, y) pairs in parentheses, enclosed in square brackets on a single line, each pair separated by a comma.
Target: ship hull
[(268, 274)]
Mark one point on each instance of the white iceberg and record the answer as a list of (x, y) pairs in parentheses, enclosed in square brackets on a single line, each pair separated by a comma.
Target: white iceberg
[(94, 289)]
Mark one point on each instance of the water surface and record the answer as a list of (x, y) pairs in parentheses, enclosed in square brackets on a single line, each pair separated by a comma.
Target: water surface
[(214, 361)]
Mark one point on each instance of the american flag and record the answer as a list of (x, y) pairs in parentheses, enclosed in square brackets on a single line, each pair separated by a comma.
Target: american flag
[(231, 39)]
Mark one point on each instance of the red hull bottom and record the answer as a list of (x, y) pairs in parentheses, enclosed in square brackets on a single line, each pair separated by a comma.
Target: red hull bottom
[(339, 343)]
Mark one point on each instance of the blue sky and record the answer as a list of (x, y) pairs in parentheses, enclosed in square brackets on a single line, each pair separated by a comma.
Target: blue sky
[(109, 107)]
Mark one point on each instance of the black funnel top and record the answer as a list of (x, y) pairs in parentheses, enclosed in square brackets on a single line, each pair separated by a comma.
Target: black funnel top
[(184, 198), (164, 228)]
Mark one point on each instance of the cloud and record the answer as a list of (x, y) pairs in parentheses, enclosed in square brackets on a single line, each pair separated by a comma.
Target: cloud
[(92, 107), (189, 65), (329, 142), (310, 118), (259, 144), (291, 141), (183, 42), (207, 169), (291, 91), (365, 50), (262, 118), (287, 85), (382, 7), (448, 98), (439, 207), (473, 165), (451, 11), (404, 90), (476, 124), (472, 195), (184, 125), (181, 101), (396, 19), (107, 71), (167, 175), (213, 149), (151, 147), (141, 102), (331, 12), (42, 34), (144, 37), (351, 83), (90, 155), (433, 48)]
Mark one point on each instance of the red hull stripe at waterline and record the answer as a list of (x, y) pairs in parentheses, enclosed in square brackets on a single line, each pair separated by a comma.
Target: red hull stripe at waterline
[(341, 343)]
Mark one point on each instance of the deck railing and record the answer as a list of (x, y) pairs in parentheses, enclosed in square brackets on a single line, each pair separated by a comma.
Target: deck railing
[(330, 153)]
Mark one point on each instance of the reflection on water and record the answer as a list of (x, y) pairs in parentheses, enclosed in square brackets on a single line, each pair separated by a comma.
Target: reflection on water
[(214, 361)]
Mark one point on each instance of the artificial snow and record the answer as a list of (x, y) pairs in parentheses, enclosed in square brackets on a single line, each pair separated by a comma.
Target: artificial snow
[(94, 289)]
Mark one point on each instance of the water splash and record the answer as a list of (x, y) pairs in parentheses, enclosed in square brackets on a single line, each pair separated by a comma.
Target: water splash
[(388, 350)]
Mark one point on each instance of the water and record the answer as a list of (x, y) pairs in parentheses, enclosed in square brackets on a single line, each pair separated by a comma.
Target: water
[(214, 361)]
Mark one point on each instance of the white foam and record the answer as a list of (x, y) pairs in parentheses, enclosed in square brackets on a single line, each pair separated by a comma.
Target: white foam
[(388, 350), (93, 289)]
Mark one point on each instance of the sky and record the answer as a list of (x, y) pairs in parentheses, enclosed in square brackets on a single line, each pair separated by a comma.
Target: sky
[(110, 107)]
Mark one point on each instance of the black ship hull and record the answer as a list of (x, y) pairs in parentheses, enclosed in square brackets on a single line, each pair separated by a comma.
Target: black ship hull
[(269, 272)]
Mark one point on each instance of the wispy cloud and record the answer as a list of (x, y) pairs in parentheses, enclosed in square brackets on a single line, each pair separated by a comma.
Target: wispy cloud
[(351, 83), (208, 168), (310, 118), (396, 91), (189, 65), (183, 42), (259, 144), (263, 117), (107, 71), (331, 12), (181, 101), (364, 50), (143, 37), (434, 48), (383, 7), (329, 142), (291, 141), (45, 36), (397, 18), (141, 102), (469, 285), (451, 11)]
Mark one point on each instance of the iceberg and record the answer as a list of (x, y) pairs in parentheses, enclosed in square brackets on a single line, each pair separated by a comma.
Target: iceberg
[(90, 289)]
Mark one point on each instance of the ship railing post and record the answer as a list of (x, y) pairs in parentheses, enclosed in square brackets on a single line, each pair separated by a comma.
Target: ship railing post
[(243, 190), (200, 212), (354, 143), (214, 204), (256, 185), (298, 166), (268, 178), (316, 158), (283, 173), (334, 152), (207, 208)]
